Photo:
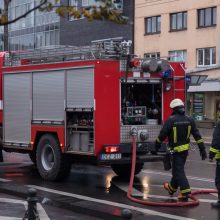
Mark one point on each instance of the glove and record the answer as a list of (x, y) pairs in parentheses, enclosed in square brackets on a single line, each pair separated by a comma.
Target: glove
[(203, 154), (211, 155)]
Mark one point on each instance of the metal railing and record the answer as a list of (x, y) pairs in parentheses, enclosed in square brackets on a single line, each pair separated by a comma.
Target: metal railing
[(115, 48)]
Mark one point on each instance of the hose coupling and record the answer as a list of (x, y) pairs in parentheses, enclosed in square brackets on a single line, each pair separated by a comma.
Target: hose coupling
[(133, 131)]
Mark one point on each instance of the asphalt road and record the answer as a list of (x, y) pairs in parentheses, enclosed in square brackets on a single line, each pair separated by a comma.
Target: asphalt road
[(97, 193)]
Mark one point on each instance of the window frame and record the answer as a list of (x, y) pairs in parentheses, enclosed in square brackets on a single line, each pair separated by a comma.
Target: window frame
[(184, 26), (204, 11), (157, 25), (183, 59), (155, 55), (204, 57)]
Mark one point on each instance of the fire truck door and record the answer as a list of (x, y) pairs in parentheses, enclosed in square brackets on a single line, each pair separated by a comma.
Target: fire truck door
[(48, 96), (80, 88), (17, 112), (79, 109)]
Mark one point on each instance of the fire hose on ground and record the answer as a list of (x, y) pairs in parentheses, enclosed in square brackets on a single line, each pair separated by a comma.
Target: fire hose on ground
[(194, 201)]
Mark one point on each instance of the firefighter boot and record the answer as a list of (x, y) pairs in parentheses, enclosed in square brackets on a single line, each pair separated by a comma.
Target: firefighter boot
[(216, 204), (169, 189), (183, 197)]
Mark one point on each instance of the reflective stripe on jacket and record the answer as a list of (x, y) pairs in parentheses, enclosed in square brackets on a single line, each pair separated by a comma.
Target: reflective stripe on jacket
[(178, 128), (216, 141), (216, 152)]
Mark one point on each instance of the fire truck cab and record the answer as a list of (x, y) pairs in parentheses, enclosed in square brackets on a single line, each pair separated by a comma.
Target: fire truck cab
[(68, 104)]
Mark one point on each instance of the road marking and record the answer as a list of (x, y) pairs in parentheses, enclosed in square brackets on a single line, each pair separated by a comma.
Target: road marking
[(168, 174), (194, 188), (9, 218), (116, 204), (138, 193), (42, 214), (5, 180)]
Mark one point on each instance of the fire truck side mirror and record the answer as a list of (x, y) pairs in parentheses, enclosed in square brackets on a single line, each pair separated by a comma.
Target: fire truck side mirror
[(149, 65), (163, 65)]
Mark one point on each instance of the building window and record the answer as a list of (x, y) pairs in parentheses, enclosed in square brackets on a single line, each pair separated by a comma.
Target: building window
[(18, 8), (155, 55), (177, 55), (79, 4), (153, 25), (178, 21), (206, 56), (207, 17)]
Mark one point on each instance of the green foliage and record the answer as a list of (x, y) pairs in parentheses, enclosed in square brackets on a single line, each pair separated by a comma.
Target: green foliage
[(102, 10)]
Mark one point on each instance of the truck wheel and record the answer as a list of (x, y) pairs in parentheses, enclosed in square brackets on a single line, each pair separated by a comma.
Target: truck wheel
[(51, 163), (124, 170), (32, 156)]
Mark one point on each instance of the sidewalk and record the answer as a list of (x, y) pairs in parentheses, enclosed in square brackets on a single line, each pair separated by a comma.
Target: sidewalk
[(13, 204), (14, 208)]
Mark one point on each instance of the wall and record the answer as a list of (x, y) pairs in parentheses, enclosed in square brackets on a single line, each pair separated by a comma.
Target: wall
[(82, 32), (189, 39)]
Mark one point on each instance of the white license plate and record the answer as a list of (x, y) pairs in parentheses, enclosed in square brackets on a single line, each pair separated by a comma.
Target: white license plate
[(110, 156)]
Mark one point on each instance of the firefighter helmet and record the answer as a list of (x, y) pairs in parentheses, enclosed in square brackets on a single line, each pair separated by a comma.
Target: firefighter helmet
[(176, 103)]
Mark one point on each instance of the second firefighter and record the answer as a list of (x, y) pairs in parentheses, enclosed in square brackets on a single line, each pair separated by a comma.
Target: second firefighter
[(178, 129)]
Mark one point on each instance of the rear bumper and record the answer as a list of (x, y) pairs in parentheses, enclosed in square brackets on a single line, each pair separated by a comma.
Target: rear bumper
[(139, 159), (143, 154)]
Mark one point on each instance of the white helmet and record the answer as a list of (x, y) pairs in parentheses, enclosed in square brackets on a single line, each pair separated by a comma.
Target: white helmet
[(176, 103)]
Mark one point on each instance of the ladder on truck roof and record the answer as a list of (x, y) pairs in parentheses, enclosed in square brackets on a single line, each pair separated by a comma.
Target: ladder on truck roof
[(114, 48)]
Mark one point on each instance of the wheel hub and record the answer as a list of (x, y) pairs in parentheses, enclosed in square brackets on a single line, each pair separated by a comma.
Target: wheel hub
[(47, 157)]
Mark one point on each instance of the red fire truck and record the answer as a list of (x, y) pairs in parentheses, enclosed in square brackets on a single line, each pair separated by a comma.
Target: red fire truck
[(66, 104)]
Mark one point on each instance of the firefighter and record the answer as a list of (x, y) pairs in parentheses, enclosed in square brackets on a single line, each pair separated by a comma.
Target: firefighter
[(178, 129), (214, 152)]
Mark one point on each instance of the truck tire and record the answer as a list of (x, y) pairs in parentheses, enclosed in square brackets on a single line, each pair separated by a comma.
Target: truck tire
[(124, 170), (52, 164)]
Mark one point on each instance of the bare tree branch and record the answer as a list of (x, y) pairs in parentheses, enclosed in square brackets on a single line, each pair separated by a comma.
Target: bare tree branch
[(24, 15)]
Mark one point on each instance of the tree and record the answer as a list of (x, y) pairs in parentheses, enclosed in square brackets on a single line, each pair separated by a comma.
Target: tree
[(103, 9)]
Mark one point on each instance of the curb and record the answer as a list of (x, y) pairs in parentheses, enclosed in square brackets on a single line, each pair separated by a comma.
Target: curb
[(63, 202)]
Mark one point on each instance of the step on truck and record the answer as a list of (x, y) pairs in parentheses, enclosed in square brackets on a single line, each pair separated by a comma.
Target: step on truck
[(69, 104)]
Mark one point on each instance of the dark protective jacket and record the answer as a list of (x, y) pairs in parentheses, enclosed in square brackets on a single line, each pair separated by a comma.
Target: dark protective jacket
[(178, 129), (215, 148)]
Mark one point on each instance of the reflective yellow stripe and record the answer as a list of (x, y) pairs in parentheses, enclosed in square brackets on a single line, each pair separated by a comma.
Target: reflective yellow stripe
[(181, 148), (189, 131), (185, 191), (199, 141), (172, 188), (174, 135), (212, 149), (158, 140), (217, 156)]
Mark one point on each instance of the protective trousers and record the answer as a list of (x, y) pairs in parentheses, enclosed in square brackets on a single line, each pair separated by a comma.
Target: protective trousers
[(178, 174), (217, 175)]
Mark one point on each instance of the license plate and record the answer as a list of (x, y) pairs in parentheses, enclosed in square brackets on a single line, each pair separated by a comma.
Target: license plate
[(110, 156)]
